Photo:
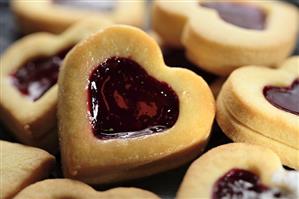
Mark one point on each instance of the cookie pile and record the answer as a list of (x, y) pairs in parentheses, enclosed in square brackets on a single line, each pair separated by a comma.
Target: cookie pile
[(118, 103)]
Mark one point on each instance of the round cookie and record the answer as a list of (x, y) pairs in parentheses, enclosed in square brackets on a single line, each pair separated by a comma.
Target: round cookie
[(239, 170), (29, 72), (260, 106), (71, 189), (152, 117), (57, 15)]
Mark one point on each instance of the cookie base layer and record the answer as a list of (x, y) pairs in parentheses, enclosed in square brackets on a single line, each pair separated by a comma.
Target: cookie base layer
[(240, 133)]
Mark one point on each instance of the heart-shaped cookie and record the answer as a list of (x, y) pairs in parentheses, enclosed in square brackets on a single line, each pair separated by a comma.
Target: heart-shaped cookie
[(29, 72), (239, 170), (57, 15), (260, 106), (21, 166), (72, 189), (123, 114), (255, 29)]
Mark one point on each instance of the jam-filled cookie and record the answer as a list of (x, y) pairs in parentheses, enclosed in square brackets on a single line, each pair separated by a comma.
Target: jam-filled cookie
[(239, 171), (72, 189), (222, 36), (57, 15), (261, 106), (21, 166), (29, 72), (123, 113)]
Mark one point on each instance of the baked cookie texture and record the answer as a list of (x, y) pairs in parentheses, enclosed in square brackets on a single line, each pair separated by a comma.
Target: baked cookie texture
[(245, 113), (57, 15), (21, 166), (95, 160), (205, 175), (33, 121), (72, 189), (203, 32)]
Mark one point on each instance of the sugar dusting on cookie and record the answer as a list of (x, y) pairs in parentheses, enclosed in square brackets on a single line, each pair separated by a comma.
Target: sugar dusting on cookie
[(288, 181)]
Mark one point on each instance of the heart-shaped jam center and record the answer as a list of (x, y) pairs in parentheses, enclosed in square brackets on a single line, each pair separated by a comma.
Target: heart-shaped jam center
[(244, 16), (284, 98), (96, 5), (240, 183), (38, 74), (125, 102)]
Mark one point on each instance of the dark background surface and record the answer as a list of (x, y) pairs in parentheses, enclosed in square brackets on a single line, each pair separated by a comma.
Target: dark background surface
[(164, 184)]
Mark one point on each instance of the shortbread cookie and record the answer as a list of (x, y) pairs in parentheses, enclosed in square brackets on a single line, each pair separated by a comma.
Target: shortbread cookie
[(72, 189), (124, 114), (57, 15), (21, 166), (239, 170), (29, 72), (261, 106), (222, 36)]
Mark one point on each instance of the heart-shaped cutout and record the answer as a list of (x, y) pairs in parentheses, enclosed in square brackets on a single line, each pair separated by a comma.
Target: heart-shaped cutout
[(242, 15), (251, 26), (285, 98), (125, 102), (29, 73), (71, 189), (257, 105), (250, 171), (130, 113)]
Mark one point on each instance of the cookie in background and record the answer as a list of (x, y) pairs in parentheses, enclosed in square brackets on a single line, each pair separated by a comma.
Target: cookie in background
[(56, 16), (29, 73), (260, 106)]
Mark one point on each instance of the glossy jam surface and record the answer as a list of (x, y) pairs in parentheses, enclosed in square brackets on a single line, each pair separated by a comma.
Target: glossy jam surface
[(38, 74), (95, 5), (125, 102), (176, 58), (244, 16), (284, 98), (239, 183)]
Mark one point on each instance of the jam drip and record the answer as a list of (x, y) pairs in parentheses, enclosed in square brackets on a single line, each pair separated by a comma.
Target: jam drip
[(240, 183), (95, 5), (38, 74), (125, 102), (244, 16), (284, 98)]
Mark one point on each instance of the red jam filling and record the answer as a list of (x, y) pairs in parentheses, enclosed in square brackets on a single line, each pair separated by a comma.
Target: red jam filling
[(176, 58), (284, 98), (38, 75), (125, 102), (244, 16), (240, 183), (96, 5)]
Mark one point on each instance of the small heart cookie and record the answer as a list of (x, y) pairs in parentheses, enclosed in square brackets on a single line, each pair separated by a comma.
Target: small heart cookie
[(124, 114), (71, 189), (222, 36), (29, 72), (261, 106), (21, 166), (57, 15), (239, 170)]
